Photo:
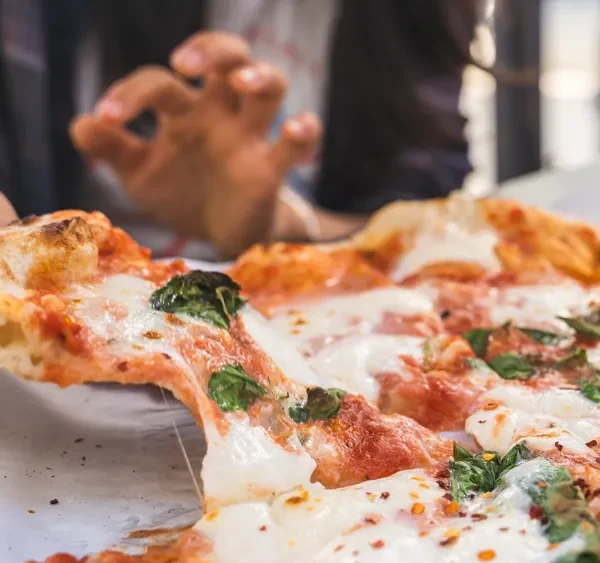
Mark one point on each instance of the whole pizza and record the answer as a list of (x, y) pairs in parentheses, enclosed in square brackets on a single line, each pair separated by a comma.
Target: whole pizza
[(329, 380)]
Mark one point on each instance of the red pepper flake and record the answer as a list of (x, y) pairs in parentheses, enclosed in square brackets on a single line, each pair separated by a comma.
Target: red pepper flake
[(78, 440), (558, 446), (263, 528), (446, 542), (31, 511), (339, 548), (122, 366), (54, 501), (384, 496), (379, 544), (505, 529), (536, 512), (597, 460), (591, 443), (452, 508), (478, 517), (448, 496), (486, 555)]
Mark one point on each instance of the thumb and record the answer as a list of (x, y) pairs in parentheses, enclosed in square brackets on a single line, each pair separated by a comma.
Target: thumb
[(109, 143), (7, 211)]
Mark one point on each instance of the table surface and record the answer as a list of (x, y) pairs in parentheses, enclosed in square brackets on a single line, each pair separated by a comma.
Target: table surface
[(573, 192)]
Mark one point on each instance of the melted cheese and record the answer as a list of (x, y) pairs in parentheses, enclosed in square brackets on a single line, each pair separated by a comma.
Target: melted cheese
[(452, 244), (543, 418), (281, 350), (350, 314), (539, 305), (352, 364), (374, 521), (244, 462)]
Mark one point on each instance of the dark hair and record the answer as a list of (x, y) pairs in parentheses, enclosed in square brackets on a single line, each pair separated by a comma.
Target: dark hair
[(383, 53)]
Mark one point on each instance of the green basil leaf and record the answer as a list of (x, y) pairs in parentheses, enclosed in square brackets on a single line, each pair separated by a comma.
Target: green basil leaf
[(211, 296), (587, 326), (543, 336), (478, 339), (511, 366), (586, 557), (470, 472), (233, 389), (320, 404), (576, 359), (516, 455), (591, 390)]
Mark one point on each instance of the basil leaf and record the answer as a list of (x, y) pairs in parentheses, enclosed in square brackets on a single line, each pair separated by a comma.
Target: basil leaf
[(470, 472), (233, 389), (586, 557), (576, 359), (210, 296), (478, 339), (511, 366), (543, 336), (591, 390), (320, 404), (587, 326), (516, 455)]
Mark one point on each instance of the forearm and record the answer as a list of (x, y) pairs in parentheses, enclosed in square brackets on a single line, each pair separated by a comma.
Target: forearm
[(297, 220)]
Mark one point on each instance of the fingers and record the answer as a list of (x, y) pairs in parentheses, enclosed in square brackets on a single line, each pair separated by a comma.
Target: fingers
[(298, 141), (100, 140), (148, 88), (209, 52), (261, 88), (7, 211)]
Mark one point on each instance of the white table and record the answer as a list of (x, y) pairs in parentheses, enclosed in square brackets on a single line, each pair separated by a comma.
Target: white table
[(573, 192)]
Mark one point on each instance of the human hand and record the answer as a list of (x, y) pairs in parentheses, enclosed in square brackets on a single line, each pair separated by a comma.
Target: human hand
[(7, 211), (210, 171)]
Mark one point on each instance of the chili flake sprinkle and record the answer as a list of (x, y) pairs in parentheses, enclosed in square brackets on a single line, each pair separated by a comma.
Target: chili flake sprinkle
[(452, 508), (488, 457), (486, 555), (378, 544), (417, 508)]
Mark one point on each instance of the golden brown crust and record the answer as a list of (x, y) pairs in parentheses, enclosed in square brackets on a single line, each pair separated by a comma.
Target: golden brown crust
[(530, 239)]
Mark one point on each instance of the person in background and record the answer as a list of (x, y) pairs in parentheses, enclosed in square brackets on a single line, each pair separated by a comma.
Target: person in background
[(187, 138)]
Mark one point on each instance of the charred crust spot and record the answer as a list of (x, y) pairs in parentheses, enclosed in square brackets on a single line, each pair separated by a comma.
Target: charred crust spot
[(558, 446), (152, 335), (75, 228), (29, 220)]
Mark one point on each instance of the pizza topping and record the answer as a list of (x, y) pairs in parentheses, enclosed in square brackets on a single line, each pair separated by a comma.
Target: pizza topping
[(233, 389), (320, 404), (211, 296), (543, 336), (512, 366), (478, 339), (586, 326), (469, 472)]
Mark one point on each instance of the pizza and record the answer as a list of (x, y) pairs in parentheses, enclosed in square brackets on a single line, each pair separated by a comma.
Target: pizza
[(338, 386)]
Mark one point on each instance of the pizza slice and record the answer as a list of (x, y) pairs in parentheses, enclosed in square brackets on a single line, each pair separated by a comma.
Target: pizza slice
[(88, 305), (519, 507)]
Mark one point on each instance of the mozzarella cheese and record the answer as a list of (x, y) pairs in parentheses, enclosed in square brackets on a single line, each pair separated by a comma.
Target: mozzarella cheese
[(350, 314), (539, 305), (386, 520), (542, 417), (453, 243), (352, 364), (244, 462)]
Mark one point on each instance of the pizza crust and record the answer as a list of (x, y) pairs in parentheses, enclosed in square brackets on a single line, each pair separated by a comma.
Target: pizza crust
[(530, 239)]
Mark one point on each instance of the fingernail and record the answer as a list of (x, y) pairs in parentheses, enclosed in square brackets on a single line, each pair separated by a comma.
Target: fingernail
[(296, 127), (251, 75), (190, 59), (110, 109)]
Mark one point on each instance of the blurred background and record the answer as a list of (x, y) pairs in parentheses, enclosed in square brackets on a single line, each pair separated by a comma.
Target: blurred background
[(569, 55)]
